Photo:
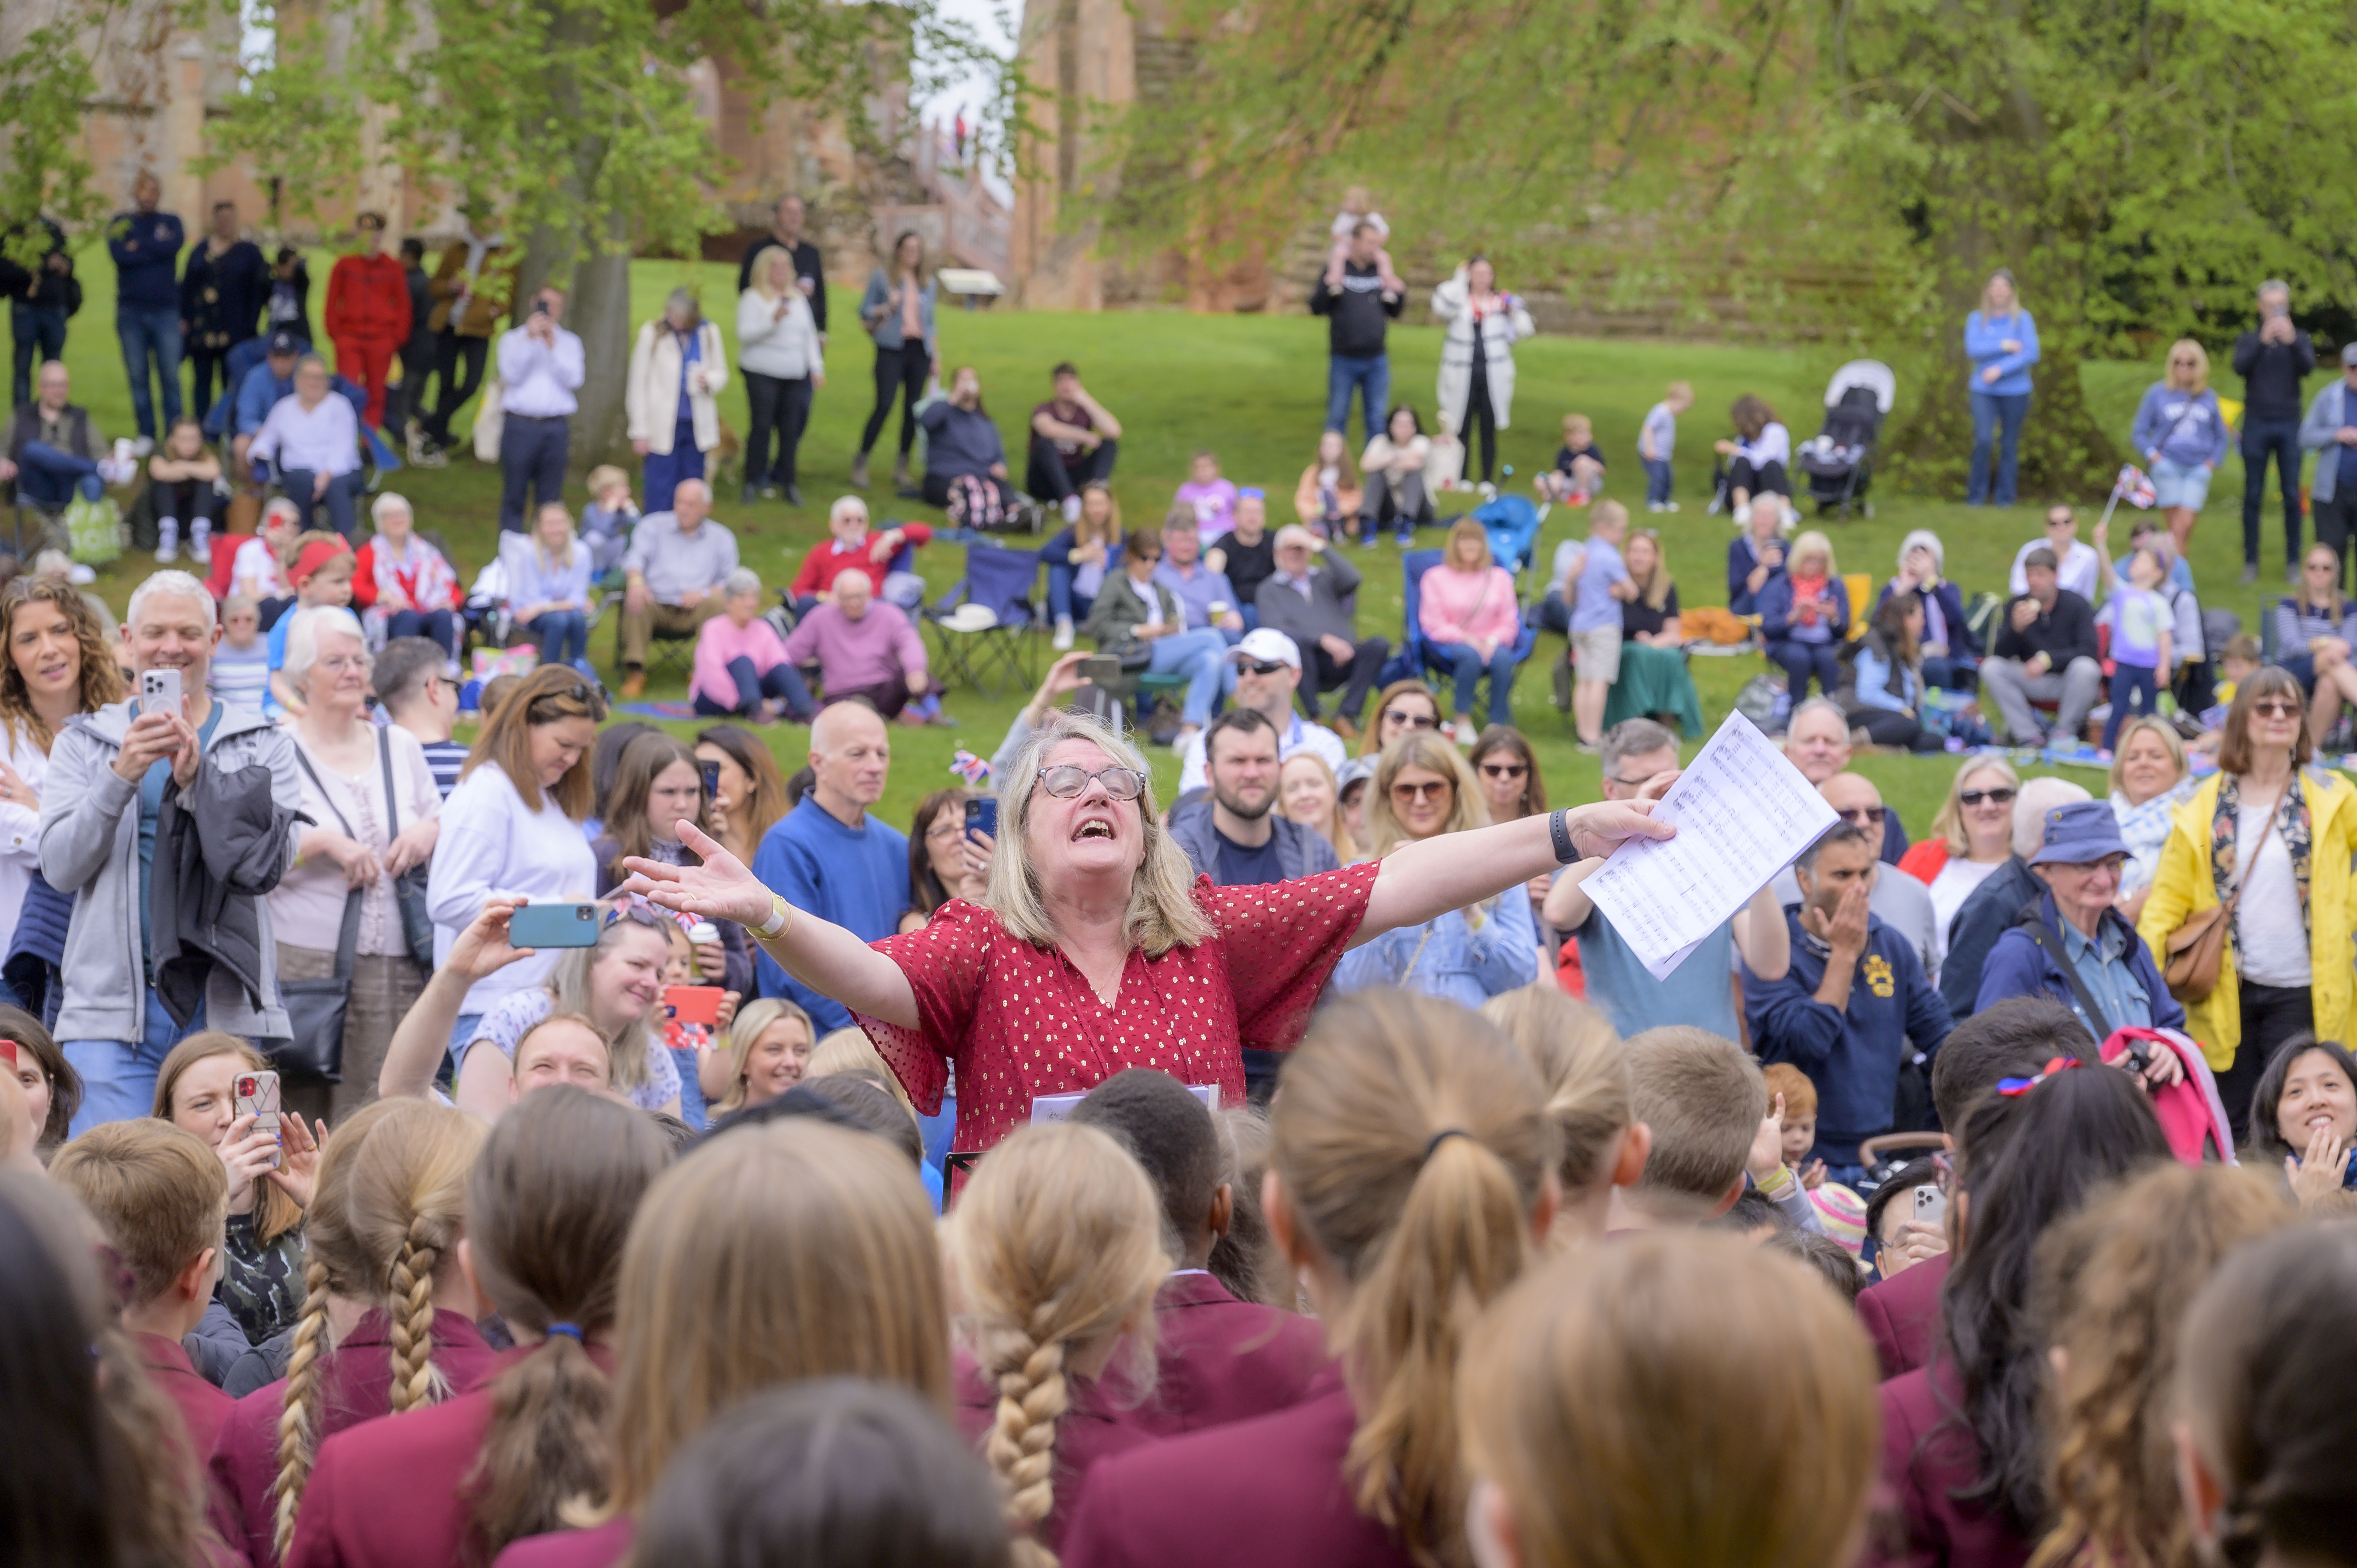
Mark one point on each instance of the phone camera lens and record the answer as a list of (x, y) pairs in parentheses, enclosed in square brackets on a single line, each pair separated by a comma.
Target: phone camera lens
[(585, 912)]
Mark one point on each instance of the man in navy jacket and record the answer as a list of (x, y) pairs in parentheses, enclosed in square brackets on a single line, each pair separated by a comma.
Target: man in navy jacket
[(146, 245), (1853, 997)]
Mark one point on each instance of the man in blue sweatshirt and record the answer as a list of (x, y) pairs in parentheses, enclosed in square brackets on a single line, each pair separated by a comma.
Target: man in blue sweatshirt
[(1846, 1009), (146, 245), (829, 857)]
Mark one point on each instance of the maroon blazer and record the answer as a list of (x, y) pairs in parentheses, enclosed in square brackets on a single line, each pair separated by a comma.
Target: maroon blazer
[(202, 1407), (1219, 1359), (1100, 1420), (1902, 1316), (1266, 1493), (600, 1548), (1927, 1452), (356, 1385)]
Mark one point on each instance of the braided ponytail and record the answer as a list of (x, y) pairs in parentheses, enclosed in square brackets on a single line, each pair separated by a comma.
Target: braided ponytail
[(299, 1416), (1057, 1244), (411, 1308)]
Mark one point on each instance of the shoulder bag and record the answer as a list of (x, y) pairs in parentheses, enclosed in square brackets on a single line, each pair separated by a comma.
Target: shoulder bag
[(314, 1048), (2194, 949), (409, 887)]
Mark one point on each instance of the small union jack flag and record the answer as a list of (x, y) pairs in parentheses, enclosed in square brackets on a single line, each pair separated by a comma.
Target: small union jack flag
[(2134, 488), (973, 770)]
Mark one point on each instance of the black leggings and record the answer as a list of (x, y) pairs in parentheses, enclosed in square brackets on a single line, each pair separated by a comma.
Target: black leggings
[(780, 410), (1885, 726), (903, 369), (1480, 416), (2271, 1015)]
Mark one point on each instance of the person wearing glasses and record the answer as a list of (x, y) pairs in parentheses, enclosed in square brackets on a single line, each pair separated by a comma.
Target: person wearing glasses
[(1312, 598), (2274, 834), (2045, 651), (1267, 673), (358, 840), (1816, 741), (2075, 947), (1401, 706), (2182, 434), (1096, 950), (1640, 757), (1970, 838), (1901, 903)]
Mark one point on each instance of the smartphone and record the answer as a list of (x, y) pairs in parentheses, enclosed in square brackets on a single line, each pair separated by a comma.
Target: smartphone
[(159, 692), (982, 816), (554, 925), (693, 1004), (711, 779), (1931, 1206), (255, 1094), (1100, 668)]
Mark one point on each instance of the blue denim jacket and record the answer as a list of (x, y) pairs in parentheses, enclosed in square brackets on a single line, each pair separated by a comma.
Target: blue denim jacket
[(887, 329)]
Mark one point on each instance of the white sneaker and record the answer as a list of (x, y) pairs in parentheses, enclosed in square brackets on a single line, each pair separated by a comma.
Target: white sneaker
[(167, 540), (1071, 509), (1669, 506), (200, 542), (1743, 515), (1063, 638), (141, 448), (80, 576), (1656, 505), (123, 452)]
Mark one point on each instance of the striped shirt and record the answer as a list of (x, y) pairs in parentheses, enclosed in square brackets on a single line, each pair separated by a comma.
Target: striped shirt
[(445, 758)]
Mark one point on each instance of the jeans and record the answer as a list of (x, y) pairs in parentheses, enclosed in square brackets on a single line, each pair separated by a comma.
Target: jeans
[(1062, 602), (783, 684), (1465, 665), (1371, 376), (118, 1077), (1321, 674), (903, 370), (781, 408), (693, 1108), (1202, 657), (147, 334), (48, 477), (563, 635), (1052, 477), (532, 456), (341, 499), (1551, 614), (1799, 660), (40, 335), (1657, 481), (440, 626), (666, 469), (1954, 672), (1990, 412), (2132, 686), (463, 356), (2261, 439)]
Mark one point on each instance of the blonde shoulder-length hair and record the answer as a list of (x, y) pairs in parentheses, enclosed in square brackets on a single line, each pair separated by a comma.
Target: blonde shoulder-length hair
[(2187, 348), (1162, 911), (1425, 750), (1949, 823)]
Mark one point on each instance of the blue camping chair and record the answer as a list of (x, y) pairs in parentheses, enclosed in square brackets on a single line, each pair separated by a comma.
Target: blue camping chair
[(989, 656), (1418, 657), (1512, 524)]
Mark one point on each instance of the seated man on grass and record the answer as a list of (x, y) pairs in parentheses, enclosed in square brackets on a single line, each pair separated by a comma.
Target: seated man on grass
[(862, 649)]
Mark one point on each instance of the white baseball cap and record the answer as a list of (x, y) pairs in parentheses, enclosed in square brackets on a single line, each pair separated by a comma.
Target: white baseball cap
[(1266, 647)]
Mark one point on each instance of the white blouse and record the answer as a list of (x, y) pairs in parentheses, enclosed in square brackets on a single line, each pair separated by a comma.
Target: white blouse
[(20, 826)]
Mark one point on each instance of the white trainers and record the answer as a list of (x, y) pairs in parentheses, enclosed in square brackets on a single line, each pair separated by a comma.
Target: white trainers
[(1062, 640), (1669, 506), (1071, 509), (141, 448), (200, 542), (167, 540), (1657, 505), (1743, 515)]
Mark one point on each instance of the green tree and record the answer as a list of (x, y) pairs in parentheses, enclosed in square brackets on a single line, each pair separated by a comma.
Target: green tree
[(1844, 171), (44, 87)]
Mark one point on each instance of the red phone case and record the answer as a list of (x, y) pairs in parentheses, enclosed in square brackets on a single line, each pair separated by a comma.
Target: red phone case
[(693, 1004)]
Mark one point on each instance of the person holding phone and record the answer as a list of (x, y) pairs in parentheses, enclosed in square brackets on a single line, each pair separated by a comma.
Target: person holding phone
[(1754, 557), (105, 792), (946, 860)]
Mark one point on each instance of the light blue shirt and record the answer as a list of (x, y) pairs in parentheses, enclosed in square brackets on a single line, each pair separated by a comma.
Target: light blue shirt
[(1448, 959), (2109, 980), (1595, 608), (1700, 992), (534, 580)]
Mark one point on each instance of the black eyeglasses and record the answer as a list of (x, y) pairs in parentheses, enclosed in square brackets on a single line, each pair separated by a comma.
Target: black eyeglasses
[(1504, 770), (1406, 720), (2000, 796), (1066, 780), (1262, 667), (1862, 816)]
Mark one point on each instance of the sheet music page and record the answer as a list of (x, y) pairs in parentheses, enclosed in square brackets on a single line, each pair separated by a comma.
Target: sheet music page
[(1742, 813)]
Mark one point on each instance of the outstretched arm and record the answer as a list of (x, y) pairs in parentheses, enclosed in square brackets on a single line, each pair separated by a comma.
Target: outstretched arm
[(1422, 881), (418, 1047), (819, 953)]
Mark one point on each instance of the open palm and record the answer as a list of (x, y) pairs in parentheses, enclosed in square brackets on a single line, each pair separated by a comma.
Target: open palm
[(722, 888)]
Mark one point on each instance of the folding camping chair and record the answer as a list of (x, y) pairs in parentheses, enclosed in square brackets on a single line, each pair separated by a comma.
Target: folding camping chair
[(982, 625), (1419, 657)]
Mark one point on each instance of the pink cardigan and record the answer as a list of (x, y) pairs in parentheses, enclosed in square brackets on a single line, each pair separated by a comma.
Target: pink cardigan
[(721, 640), (1457, 606)]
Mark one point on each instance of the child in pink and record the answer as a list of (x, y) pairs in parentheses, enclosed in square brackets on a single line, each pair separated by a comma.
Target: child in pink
[(1211, 498)]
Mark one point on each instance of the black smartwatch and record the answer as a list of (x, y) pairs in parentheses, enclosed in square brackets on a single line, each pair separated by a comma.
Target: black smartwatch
[(1564, 851)]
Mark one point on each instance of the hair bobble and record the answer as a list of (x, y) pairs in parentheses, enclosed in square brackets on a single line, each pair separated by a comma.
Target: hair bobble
[(570, 1330), (1441, 1137), (2009, 1086)]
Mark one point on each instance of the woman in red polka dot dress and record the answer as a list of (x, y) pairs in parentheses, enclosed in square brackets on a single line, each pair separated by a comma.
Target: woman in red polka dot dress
[(1096, 949)]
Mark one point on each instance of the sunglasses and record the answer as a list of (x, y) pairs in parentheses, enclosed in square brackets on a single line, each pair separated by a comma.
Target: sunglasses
[(634, 907), (1862, 816), (1067, 780), (1504, 770), (1262, 667), (580, 692), (2001, 796), (1410, 721), (2274, 708), (1434, 791)]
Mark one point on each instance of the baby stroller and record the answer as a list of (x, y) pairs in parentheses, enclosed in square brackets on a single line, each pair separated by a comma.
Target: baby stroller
[(1839, 459)]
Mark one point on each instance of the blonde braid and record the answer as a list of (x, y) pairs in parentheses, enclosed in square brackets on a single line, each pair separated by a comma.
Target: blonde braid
[(412, 1313), (1032, 1395), (298, 1418)]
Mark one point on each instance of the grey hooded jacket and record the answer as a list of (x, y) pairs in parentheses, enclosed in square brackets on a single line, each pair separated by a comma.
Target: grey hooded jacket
[(90, 847)]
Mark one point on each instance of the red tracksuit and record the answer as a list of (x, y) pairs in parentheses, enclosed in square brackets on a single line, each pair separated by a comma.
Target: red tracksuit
[(368, 321)]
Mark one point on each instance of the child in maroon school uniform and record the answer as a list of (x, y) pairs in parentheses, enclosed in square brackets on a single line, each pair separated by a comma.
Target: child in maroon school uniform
[(1411, 1175), (548, 1207), (383, 1237)]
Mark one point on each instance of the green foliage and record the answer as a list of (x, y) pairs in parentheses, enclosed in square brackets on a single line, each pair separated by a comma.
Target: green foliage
[(43, 87)]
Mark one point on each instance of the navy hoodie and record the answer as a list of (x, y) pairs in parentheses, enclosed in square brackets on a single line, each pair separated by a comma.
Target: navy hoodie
[(146, 251)]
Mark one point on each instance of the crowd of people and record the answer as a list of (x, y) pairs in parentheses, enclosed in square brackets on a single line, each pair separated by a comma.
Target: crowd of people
[(588, 1144)]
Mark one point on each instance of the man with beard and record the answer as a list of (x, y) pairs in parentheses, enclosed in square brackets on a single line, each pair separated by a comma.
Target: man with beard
[(1233, 835)]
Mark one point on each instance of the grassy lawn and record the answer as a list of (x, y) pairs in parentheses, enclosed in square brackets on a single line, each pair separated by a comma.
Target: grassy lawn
[(1252, 389)]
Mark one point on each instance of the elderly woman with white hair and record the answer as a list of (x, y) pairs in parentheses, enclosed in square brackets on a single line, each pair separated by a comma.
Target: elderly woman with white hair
[(741, 667), (375, 813), (313, 438), (677, 368), (1952, 654), (403, 587), (548, 585), (1096, 949)]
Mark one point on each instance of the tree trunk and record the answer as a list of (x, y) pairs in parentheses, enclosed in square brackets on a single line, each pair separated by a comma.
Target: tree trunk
[(2065, 454), (601, 312)]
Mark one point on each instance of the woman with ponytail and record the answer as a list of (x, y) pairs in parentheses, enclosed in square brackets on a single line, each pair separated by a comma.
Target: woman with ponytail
[(788, 1251), (388, 1321), (548, 1208), (1584, 1068), (1056, 1247), (1412, 1176)]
